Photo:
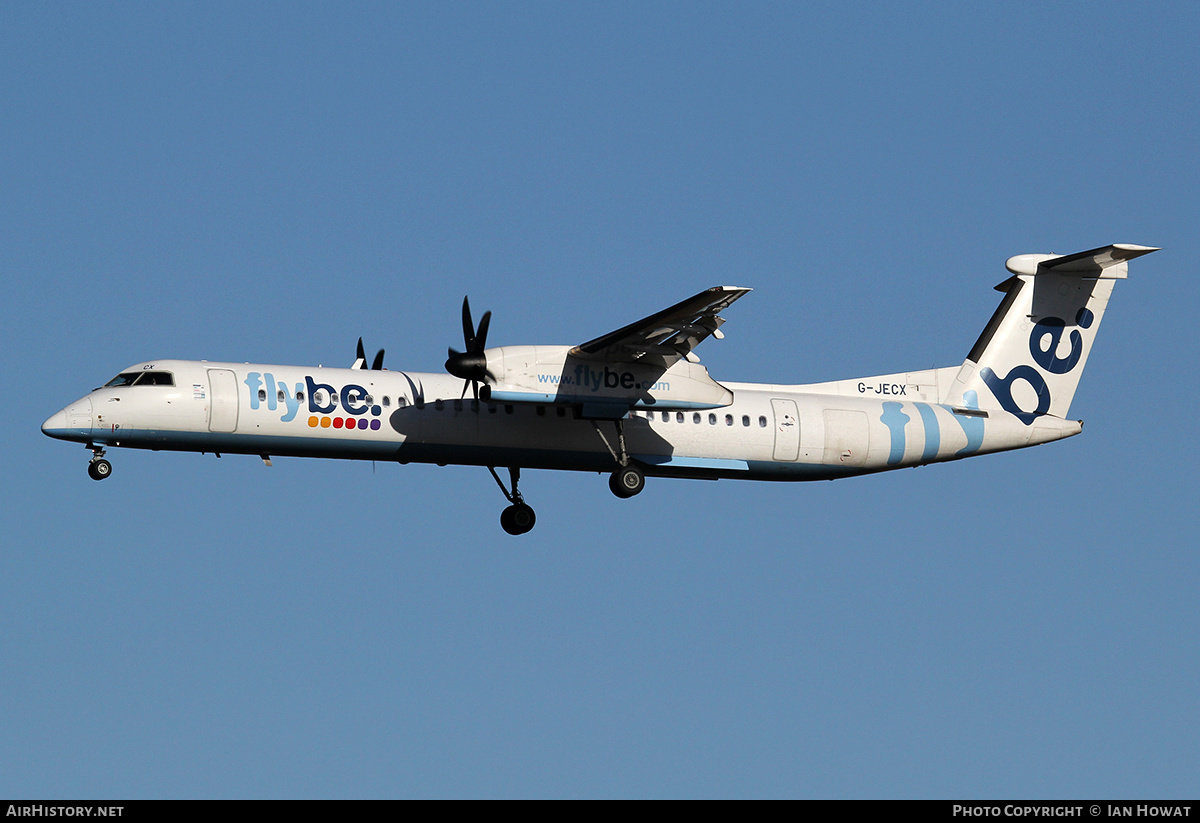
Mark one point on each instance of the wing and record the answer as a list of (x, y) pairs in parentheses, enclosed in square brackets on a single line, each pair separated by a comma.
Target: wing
[(666, 337)]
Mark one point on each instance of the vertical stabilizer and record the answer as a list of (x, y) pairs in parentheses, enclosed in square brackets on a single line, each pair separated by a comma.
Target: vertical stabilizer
[(1030, 356)]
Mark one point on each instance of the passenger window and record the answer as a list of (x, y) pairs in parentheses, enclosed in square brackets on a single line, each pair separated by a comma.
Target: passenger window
[(401, 402), (666, 417), (387, 401), (745, 420), (696, 417), (280, 396), (458, 405), (438, 405), (762, 421), (712, 420), (729, 420), (262, 394), (678, 417), (541, 411)]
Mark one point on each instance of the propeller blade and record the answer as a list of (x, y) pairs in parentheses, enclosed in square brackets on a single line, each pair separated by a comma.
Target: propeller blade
[(377, 365), (481, 333), (468, 326), (362, 355)]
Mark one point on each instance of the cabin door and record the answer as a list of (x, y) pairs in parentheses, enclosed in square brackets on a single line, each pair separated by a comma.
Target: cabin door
[(787, 429), (223, 400)]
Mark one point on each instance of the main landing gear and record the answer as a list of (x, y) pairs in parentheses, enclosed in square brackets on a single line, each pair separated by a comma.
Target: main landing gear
[(625, 482), (628, 479), (98, 467), (517, 518)]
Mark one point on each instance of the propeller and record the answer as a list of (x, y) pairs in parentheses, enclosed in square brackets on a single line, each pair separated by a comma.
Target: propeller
[(471, 365), (376, 364)]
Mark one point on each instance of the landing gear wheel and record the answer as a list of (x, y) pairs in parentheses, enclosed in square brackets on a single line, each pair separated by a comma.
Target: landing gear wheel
[(99, 469), (517, 518), (627, 481)]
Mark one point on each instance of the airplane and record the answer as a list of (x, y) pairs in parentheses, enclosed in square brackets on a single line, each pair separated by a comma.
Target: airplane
[(633, 403)]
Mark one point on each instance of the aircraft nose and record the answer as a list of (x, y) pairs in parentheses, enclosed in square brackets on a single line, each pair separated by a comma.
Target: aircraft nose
[(71, 423), (56, 422)]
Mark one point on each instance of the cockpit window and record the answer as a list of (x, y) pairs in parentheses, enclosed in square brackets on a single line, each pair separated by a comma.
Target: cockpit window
[(123, 379), (141, 378)]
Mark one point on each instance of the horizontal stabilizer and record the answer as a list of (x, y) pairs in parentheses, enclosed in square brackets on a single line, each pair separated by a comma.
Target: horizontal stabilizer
[(1093, 262)]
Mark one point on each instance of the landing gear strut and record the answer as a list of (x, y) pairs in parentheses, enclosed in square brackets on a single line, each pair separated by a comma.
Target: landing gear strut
[(517, 518), (98, 467), (628, 479)]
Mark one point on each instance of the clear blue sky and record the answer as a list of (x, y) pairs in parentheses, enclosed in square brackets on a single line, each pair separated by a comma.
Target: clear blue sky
[(267, 182)]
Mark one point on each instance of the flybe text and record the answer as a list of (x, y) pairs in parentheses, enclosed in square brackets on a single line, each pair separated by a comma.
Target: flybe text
[(593, 379), (322, 398)]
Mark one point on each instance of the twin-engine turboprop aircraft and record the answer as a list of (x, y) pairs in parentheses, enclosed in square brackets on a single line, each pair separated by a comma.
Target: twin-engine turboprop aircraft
[(633, 403)]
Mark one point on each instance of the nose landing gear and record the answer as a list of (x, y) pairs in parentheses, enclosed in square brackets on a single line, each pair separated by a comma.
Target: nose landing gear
[(98, 467)]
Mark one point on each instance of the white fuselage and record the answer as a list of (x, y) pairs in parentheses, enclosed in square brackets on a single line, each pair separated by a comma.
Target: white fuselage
[(767, 432)]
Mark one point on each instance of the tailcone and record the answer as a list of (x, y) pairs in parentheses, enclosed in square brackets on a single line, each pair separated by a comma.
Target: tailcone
[(1048, 429)]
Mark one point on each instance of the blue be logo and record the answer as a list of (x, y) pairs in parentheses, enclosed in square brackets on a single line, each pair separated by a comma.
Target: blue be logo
[(1050, 330)]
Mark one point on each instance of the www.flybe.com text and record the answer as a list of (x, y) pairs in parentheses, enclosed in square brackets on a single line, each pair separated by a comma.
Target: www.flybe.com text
[(593, 379)]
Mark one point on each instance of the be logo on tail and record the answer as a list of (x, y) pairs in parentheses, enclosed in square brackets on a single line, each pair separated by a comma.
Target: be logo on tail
[(1050, 331)]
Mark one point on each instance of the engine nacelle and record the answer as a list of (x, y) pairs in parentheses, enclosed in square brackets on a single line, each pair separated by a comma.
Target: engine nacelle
[(551, 374)]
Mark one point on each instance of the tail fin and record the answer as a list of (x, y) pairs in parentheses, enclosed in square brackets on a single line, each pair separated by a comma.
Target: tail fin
[(1030, 356)]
